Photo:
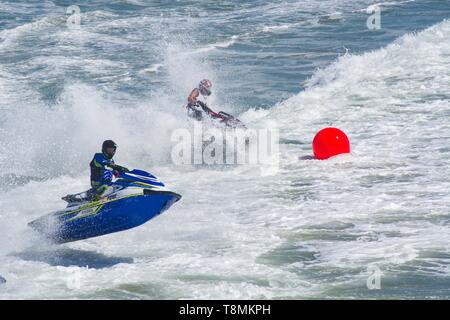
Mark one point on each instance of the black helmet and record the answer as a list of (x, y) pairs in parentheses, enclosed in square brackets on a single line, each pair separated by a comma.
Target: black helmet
[(108, 144)]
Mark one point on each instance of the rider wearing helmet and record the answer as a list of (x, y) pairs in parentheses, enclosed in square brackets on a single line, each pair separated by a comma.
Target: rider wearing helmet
[(103, 169), (197, 99)]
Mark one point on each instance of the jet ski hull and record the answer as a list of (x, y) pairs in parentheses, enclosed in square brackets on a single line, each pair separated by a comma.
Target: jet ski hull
[(103, 217)]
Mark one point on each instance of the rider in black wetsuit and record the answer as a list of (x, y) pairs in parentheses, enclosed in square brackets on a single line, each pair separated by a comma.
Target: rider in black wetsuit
[(103, 169)]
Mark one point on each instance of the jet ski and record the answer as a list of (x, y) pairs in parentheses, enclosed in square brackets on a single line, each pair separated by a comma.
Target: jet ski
[(221, 118), (228, 120), (135, 197)]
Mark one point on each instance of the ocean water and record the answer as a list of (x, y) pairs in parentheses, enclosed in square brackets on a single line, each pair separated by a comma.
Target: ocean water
[(311, 230)]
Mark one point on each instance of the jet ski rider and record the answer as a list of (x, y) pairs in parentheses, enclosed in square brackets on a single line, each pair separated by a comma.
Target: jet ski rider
[(197, 100), (103, 169)]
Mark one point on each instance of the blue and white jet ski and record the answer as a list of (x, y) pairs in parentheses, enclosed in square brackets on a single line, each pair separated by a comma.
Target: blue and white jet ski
[(135, 197)]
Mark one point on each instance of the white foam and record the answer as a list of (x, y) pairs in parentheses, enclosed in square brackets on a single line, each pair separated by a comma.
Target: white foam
[(388, 101), (154, 68), (386, 203), (411, 67), (219, 45), (275, 28), (372, 7)]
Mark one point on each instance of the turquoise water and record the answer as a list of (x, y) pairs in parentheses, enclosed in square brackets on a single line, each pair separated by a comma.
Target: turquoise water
[(309, 231)]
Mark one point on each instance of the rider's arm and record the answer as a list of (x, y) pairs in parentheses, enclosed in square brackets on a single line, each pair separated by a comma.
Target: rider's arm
[(206, 108), (119, 168), (101, 161), (107, 177), (192, 99)]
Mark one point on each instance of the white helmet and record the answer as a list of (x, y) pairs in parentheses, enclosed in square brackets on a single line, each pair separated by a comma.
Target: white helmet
[(205, 87)]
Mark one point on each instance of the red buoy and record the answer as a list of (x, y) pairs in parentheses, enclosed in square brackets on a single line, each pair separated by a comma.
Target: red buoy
[(330, 142)]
